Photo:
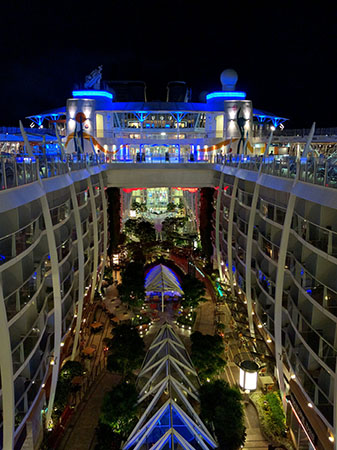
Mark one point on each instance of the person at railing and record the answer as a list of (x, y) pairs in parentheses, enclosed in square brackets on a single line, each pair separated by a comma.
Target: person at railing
[(167, 156)]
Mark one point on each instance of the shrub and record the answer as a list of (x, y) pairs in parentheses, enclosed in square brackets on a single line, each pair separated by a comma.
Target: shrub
[(274, 413)]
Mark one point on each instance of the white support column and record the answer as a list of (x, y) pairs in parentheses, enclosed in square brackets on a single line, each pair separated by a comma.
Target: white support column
[(6, 367), (249, 244), (95, 227), (230, 234), (80, 256), (105, 228), (57, 302), (217, 223), (281, 270), (279, 293), (249, 248)]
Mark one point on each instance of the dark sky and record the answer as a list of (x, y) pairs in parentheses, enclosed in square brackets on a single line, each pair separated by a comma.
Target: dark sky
[(286, 58)]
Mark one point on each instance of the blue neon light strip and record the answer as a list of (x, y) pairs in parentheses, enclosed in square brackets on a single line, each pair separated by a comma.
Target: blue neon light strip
[(93, 94), (227, 95)]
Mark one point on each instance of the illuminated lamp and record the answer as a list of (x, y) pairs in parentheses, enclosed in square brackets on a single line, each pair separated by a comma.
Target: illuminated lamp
[(115, 258), (93, 93), (230, 95), (248, 375)]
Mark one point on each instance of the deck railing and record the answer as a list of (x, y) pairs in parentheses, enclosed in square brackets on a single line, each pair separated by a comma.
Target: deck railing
[(22, 170)]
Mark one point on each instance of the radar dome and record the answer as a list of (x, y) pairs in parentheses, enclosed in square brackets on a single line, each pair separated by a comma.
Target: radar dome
[(228, 79)]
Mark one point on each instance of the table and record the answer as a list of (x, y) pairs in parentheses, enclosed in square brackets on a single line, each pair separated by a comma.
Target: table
[(88, 350), (267, 382), (115, 319), (96, 325), (77, 380)]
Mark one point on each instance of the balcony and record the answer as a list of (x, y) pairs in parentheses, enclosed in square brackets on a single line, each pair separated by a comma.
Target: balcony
[(60, 213), (245, 198), (319, 292), (322, 238), (24, 294), (14, 244)]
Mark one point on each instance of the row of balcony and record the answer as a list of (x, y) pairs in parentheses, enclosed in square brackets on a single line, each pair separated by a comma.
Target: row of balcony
[(15, 243)]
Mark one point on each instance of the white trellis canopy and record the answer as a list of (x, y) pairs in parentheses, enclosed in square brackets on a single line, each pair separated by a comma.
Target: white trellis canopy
[(168, 386), (162, 279)]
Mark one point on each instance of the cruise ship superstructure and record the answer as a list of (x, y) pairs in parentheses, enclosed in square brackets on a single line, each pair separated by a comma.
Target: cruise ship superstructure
[(274, 238)]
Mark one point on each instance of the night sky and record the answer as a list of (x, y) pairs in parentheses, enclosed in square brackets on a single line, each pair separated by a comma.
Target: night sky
[(286, 58)]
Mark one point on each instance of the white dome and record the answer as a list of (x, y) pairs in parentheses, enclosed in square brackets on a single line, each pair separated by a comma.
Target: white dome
[(228, 79)]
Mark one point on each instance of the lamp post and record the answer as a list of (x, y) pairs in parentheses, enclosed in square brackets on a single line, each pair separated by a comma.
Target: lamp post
[(248, 375)]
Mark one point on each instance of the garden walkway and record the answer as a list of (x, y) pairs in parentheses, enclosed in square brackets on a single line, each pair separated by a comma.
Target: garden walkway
[(80, 433)]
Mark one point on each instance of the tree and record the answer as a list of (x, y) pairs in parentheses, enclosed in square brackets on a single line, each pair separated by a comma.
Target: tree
[(221, 407), (70, 370), (140, 230), (119, 409), (170, 207), (194, 291), (106, 438), (173, 227), (131, 290), (206, 354), (139, 207), (126, 350)]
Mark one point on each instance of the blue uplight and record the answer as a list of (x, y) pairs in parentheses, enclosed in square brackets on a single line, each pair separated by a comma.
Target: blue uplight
[(93, 93), (226, 95)]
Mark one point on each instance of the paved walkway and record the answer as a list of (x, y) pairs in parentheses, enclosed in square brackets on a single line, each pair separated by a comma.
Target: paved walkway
[(80, 433)]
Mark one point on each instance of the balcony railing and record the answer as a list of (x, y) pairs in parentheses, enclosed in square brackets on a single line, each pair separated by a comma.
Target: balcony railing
[(23, 295), (322, 238), (322, 294), (15, 243), (17, 171)]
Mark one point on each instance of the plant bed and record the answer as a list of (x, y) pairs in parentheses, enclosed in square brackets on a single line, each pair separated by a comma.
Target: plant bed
[(186, 321), (140, 320), (271, 417)]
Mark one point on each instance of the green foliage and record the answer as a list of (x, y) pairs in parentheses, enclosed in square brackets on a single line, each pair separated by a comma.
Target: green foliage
[(106, 438), (173, 229), (139, 207), (194, 290), (69, 370), (274, 414), (221, 407), (206, 354), (140, 320), (140, 230), (170, 207), (131, 290), (108, 274), (186, 320), (126, 350), (119, 409), (206, 212)]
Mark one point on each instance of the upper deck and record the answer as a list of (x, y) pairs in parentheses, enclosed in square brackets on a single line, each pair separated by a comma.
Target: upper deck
[(156, 172)]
